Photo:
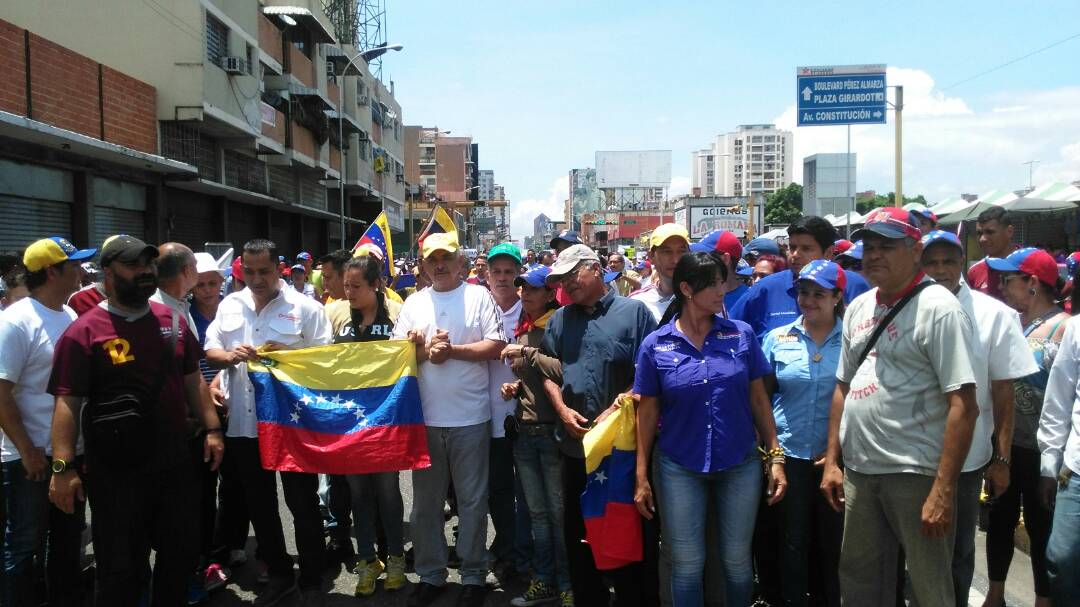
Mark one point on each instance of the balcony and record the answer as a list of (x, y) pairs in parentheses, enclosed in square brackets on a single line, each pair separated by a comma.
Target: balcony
[(301, 67), (303, 141), (270, 39), (275, 131)]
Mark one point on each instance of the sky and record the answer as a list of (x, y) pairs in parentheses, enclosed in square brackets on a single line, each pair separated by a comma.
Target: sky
[(540, 86)]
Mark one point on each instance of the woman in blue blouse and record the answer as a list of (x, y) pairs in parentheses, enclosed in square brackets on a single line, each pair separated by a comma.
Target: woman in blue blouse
[(804, 356), (702, 374)]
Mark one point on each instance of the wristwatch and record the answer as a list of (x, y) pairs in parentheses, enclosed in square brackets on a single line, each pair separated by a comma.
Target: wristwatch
[(59, 466)]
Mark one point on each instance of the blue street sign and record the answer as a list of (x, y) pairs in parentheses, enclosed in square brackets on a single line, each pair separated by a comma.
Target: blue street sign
[(837, 95)]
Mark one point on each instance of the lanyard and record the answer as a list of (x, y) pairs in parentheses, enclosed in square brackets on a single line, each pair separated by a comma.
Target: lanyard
[(1035, 324)]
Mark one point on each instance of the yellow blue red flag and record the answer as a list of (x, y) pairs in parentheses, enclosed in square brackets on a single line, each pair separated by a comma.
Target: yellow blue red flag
[(612, 522), (378, 235), (343, 409), (440, 222)]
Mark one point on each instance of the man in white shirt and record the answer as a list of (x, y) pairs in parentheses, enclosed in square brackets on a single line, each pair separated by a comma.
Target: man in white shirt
[(29, 328), (1059, 441), (458, 329), (999, 356), (270, 315), (667, 244), (901, 422)]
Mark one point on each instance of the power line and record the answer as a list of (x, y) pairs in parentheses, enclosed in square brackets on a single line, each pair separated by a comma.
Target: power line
[(1008, 63)]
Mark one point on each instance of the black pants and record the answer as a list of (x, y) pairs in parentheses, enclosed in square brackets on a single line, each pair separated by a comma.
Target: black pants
[(340, 506), (206, 512), (501, 497), (132, 514), (1005, 513), (636, 584), (811, 533), (259, 487)]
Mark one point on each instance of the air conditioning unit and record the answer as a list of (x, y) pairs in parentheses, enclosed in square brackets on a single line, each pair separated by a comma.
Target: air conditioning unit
[(234, 65)]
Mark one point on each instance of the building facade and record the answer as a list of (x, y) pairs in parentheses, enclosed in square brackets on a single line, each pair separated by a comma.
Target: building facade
[(755, 159), (250, 94), (829, 184)]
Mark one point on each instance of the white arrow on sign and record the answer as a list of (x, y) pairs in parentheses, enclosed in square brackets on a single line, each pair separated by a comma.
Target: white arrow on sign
[(806, 92), (877, 114)]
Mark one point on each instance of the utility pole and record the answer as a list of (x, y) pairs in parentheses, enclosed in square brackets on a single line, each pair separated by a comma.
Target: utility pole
[(899, 201), (1031, 167)]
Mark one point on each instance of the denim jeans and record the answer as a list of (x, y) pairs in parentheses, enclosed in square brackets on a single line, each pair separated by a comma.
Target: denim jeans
[(379, 492), (1063, 551), (684, 495), (537, 459), (523, 542), (34, 524), (338, 503)]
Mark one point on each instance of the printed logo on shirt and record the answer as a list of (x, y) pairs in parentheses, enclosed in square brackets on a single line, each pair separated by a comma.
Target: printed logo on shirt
[(667, 347), (864, 392), (286, 316), (119, 350), (786, 339), (783, 313), (722, 335)]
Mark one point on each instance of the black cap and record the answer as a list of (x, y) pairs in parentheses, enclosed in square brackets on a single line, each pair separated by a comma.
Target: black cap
[(125, 248)]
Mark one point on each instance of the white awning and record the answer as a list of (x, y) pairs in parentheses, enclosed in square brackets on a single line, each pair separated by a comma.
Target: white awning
[(302, 16)]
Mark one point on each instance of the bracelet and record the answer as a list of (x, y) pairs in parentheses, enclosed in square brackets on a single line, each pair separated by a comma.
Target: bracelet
[(774, 452), (1004, 460), (778, 460)]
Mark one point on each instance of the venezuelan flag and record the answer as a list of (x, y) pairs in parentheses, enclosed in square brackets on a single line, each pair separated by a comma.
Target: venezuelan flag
[(378, 234), (440, 222), (612, 523), (342, 409)]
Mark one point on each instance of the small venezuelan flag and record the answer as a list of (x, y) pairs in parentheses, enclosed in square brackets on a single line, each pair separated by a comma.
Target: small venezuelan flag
[(612, 522), (342, 409), (378, 235)]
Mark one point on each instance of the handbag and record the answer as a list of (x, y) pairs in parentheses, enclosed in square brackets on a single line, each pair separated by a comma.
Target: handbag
[(123, 426)]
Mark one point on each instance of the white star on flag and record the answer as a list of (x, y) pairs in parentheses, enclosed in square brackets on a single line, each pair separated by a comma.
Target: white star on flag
[(336, 400), (295, 417), (600, 477), (321, 400), (307, 400), (349, 404)]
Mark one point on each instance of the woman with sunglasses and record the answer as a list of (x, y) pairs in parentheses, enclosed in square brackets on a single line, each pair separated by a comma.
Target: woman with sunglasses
[(1030, 284)]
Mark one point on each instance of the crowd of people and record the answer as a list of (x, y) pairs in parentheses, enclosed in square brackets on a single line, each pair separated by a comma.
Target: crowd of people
[(818, 422)]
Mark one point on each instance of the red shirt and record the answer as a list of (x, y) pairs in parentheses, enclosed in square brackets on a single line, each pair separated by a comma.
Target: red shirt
[(981, 278), (86, 299), (103, 355)]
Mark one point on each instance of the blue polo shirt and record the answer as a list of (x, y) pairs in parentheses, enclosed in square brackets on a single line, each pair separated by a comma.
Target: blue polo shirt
[(733, 296), (597, 351), (704, 394), (770, 303), (804, 387)]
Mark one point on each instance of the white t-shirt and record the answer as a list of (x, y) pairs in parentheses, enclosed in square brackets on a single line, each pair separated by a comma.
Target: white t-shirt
[(999, 352), (894, 414), (502, 374), (28, 332), (455, 393), (657, 304)]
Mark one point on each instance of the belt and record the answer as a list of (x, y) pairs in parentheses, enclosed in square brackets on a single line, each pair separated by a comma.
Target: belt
[(536, 429)]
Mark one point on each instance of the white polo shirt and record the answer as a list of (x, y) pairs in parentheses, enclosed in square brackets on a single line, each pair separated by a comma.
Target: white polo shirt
[(894, 414), (292, 319)]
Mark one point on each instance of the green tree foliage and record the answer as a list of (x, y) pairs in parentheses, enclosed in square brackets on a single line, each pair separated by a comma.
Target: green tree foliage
[(784, 205), (863, 205)]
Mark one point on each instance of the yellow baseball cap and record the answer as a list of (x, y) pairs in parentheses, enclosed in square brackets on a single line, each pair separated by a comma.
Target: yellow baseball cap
[(440, 241), (665, 231), (51, 251)]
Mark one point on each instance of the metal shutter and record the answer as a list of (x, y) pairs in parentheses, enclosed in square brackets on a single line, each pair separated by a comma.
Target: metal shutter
[(27, 220), (109, 221)]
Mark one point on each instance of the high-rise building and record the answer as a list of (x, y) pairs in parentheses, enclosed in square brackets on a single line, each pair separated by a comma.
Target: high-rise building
[(445, 166), (487, 185), (828, 184), (755, 159)]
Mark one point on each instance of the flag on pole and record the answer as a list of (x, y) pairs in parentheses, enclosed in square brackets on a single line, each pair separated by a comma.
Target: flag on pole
[(440, 222), (378, 235), (612, 522), (343, 409)]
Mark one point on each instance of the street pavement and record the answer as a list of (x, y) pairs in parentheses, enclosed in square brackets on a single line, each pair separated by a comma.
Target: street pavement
[(242, 590)]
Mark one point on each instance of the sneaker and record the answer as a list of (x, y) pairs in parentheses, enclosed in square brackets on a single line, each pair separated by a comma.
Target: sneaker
[(472, 595), (395, 573), (263, 576), (276, 590), (424, 595), (566, 598), (216, 577), (368, 572), (538, 593), (312, 597), (237, 558), (196, 594)]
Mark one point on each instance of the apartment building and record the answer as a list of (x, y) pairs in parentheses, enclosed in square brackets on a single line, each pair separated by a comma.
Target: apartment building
[(248, 94), (755, 159)]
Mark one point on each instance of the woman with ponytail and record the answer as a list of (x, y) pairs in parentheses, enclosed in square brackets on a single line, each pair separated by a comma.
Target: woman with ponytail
[(704, 375)]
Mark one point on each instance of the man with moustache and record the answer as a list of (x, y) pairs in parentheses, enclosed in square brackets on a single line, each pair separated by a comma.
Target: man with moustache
[(132, 352)]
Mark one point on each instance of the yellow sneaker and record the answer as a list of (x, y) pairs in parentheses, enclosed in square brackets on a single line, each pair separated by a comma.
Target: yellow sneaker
[(368, 573), (566, 598), (395, 573)]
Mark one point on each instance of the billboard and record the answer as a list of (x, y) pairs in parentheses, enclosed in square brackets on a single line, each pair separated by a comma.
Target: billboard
[(585, 196), (636, 169), (733, 218)]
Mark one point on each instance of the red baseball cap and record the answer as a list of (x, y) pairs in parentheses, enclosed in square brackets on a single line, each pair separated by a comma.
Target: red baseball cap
[(841, 246), (890, 222), (238, 269), (1032, 261), (720, 241)]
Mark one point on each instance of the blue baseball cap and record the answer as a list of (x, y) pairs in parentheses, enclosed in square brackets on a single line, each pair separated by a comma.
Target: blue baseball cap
[(534, 277), (941, 236), (566, 236), (743, 269), (1033, 261), (719, 241), (854, 251), (1072, 261), (762, 246), (51, 251), (640, 265), (825, 274), (610, 276)]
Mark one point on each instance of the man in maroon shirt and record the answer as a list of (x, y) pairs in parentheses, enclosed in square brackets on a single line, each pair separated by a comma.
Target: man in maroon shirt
[(141, 487), (995, 230)]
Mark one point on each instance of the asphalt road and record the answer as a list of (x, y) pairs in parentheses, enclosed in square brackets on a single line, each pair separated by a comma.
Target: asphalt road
[(340, 585)]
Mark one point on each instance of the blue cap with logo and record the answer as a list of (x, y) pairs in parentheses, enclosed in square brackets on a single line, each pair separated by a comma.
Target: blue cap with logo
[(854, 251), (533, 278), (743, 269), (569, 236), (825, 274), (51, 251), (937, 236), (762, 246)]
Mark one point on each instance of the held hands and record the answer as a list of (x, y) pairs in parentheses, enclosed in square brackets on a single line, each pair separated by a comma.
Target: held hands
[(439, 348), (64, 489), (510, 389), (832, 486)]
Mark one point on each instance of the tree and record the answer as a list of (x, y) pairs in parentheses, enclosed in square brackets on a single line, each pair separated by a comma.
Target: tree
[(863, 206), (784, 205)]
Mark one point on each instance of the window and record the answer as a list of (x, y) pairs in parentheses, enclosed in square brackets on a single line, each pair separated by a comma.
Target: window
[(217, 40)]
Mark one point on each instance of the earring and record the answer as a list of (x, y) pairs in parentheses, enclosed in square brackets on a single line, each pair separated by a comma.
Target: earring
[(1031, 292)]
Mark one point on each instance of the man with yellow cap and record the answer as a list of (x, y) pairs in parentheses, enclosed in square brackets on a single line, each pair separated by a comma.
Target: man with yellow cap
[(457, 329), (667, 244)]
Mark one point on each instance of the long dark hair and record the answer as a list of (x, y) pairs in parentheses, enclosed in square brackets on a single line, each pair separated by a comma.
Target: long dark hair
[(700, 271)]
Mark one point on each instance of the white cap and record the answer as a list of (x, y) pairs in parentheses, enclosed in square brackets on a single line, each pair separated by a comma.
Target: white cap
[(205, 262)]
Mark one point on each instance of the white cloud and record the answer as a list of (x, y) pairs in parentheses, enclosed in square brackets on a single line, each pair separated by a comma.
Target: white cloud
[(951, 148), (522, 212), (679, 185)]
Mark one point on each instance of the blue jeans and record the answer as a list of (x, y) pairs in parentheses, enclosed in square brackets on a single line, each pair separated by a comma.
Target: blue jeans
[(537, 459), (683, 496), (377, 493), (1063, 550), (34, 524)]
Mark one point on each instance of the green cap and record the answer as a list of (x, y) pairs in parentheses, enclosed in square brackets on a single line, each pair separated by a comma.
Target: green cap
[(505, 248)]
